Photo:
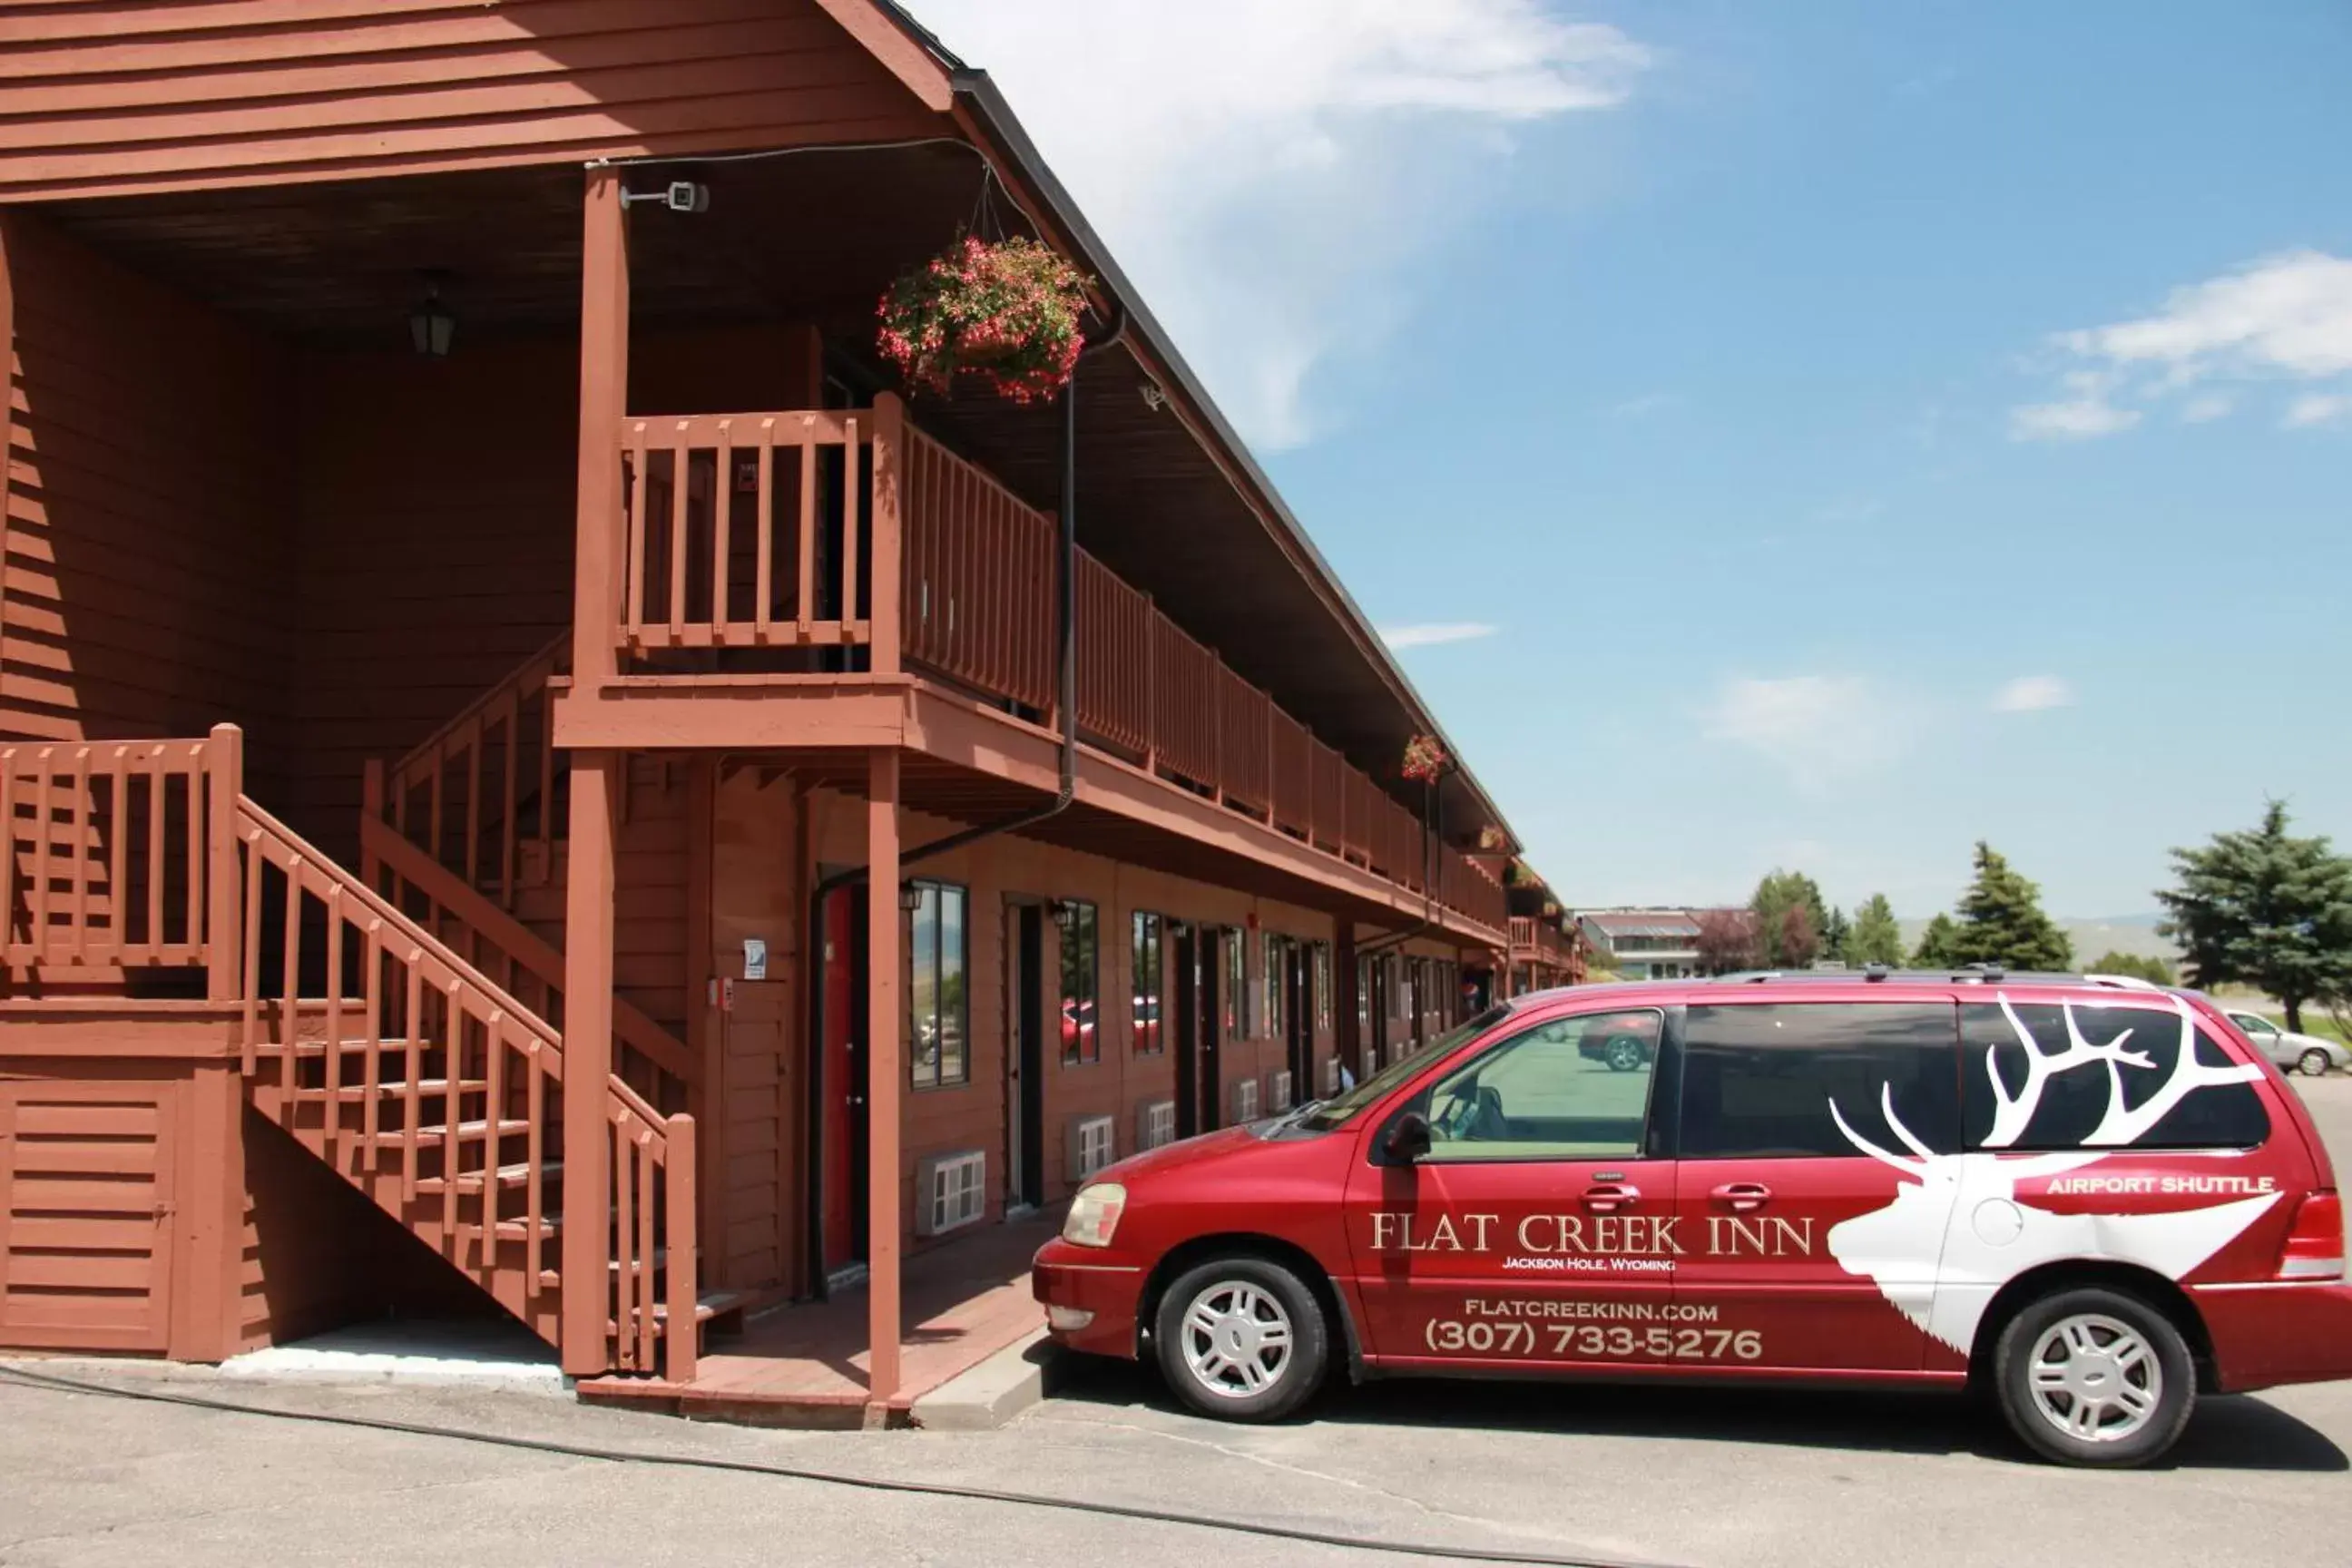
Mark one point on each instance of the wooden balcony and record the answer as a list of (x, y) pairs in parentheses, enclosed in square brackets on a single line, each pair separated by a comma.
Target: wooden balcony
[(1540, 941), (846, 550)]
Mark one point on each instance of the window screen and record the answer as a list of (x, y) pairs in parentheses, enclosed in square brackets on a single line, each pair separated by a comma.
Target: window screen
[(2072, 1102), (1759, 1081)]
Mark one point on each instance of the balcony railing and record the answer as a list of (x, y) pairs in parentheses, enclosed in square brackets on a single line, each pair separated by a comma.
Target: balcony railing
[(807, 528)]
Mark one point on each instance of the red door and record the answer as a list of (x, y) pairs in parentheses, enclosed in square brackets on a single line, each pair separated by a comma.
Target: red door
[(1536, 1230), (842, 1170), (1767, 1175)]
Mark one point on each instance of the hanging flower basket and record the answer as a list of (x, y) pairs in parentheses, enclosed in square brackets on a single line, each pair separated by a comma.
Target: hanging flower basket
[(1004, 313), (1490, 837), (1424, 759)]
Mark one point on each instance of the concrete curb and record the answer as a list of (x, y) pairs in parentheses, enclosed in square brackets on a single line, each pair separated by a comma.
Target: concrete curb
[(990, 1393)]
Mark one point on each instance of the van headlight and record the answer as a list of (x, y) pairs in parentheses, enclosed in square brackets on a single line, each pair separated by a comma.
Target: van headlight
[(1094, 1215)]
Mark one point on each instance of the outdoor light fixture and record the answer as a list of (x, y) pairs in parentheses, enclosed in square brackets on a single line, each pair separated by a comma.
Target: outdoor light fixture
[(431, 327), (1066, 913), (678, 196), (910, 896), (1153, 398)]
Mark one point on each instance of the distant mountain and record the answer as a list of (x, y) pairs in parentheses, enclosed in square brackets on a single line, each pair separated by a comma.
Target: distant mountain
[(2131, 934)]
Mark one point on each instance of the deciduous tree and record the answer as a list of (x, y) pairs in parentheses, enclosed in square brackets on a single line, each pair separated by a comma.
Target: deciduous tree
[(2267, 909), (1874, 938), (1784, 946), (2138, 966), (1727, 940)]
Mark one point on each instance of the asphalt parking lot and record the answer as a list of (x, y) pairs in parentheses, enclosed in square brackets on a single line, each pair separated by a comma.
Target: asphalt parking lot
[(1708, 1477)]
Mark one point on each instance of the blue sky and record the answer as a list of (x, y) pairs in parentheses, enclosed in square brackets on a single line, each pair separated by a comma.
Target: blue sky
[(1850, 430)]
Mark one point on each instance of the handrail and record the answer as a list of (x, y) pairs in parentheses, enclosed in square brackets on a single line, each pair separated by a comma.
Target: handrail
[(518, 941)]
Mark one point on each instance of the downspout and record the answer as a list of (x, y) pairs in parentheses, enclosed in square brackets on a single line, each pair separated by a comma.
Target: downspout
[(1065, 614)]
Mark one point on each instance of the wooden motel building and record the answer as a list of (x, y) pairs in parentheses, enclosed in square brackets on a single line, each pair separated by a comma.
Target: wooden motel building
[(537, 781)]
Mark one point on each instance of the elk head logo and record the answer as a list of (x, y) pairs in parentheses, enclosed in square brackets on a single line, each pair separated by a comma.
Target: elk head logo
[(1956, 1232)]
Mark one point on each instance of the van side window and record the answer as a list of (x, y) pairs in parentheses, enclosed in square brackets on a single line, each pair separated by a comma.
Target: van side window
[(2072, 1101), (1759, 1081), (1571, 1088)]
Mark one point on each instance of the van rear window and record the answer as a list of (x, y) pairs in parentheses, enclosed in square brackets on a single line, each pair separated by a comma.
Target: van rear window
[(2111, 1050)]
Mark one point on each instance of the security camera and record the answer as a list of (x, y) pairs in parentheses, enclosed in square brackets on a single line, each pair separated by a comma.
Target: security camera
[(687, 196)]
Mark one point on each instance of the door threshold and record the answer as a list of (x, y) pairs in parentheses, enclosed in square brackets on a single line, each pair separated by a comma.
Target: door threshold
[(1018, 1212), (848, 1276)]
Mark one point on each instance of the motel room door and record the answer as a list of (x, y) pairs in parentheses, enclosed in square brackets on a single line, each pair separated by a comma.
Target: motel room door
[(1025, 1086), (840, 1171)]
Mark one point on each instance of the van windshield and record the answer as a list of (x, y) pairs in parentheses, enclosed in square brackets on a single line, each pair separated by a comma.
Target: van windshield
[(1325, 1115)]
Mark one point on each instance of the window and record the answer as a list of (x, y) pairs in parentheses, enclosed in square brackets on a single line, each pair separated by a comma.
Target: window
[(1364, 999), (1147, 946), (1322, 984), (957, 1188), (2253, 1026), (2071, 1104), (1236, 986), (1759, 1081), (1274, 951), (1081, 971), (1549, 1093), (936, 1005)]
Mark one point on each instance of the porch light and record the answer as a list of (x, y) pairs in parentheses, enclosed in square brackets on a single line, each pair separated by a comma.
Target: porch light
[(910, 896), (1066, 913), (431, 327)]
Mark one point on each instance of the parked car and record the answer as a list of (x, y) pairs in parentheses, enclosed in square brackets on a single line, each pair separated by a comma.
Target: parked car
[(1625, 1041), (2002, 1182), (2292, 1052)]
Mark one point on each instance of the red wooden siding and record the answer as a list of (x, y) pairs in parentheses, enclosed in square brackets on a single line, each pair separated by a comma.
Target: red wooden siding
[(148, 510), (130, 96)]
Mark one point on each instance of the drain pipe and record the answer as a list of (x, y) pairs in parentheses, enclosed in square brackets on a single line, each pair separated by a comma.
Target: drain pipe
[(1066, 615)]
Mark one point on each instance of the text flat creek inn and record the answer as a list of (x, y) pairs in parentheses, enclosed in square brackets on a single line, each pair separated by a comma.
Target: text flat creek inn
[(536, 781)]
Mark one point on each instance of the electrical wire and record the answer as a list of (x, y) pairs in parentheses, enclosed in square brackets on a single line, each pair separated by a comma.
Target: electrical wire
[(826, 1478)]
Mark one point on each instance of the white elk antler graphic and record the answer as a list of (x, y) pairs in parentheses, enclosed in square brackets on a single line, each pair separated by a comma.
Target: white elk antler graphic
[(1955, 1232)]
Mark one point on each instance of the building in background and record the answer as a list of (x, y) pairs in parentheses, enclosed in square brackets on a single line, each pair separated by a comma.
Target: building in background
[(1643, 944)]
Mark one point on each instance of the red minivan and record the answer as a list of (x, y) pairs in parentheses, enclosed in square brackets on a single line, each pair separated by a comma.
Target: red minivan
[(2092, 1201)]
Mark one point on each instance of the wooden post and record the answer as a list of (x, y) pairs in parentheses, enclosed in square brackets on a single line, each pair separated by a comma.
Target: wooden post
[(685, 1333), (224, 917), (889, 531), (886, 1078), (7, 418), (588, 1060), (706, 1028), (604, 409)]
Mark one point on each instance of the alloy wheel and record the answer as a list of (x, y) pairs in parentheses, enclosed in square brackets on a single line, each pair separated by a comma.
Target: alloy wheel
[(2096, 1378), (2314, 1062), (1237, 1340)]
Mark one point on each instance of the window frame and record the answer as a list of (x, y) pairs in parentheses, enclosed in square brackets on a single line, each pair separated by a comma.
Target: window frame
[(938, 1077), (1081, 912), (1236, 987)]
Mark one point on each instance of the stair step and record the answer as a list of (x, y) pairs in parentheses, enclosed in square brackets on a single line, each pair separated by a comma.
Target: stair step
[(471, 1181), (708, 1305), (507, 1128), (434, 1085)]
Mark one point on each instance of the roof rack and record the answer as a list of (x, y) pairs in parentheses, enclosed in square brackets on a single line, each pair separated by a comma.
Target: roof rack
[(1959, 975)]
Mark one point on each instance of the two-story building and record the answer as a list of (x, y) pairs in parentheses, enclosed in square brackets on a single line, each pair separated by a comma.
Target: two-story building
[(1643, 944), (534, 774)]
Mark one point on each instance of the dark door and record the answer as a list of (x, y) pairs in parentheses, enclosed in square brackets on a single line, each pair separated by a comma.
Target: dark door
[(1187, 1025), (1213, 1001), (841, 1174), (1026, 1161), (1299, 1014), (1383, 1006)]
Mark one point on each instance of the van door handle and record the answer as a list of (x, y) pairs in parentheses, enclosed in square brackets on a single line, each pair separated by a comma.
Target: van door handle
[(1742, 1196), (1604, 1197)]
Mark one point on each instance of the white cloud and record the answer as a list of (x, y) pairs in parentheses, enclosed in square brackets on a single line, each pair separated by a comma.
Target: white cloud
[(2033, 694), (1819, 729), (2206, 405), (1271, 175), (2080, 417), (1430, 633), (2317, 408), (1646, 403), (2288, 316)]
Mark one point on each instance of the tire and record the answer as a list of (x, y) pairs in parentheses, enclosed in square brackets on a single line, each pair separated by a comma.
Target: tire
[(2051, 1364), (2313, 1063), (1212, 1338), (1624, 1054)]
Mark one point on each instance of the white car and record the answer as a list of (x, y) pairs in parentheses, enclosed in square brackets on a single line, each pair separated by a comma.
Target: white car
[(2307, 1053)]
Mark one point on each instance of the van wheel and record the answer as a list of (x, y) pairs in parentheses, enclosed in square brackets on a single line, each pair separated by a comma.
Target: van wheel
[(1242, 1339), (2313, 1063), (2095, 1377)]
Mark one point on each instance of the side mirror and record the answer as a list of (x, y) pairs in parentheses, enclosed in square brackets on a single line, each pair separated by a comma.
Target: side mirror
[(1407, 1138)]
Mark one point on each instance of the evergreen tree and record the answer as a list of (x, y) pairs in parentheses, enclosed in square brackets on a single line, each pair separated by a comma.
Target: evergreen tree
[(1874, 938), (1938, 944), (1787, 946), (2001, 920), (2265, 909), (1837, 934)]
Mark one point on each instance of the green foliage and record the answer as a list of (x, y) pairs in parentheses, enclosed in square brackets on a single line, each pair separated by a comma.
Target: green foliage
[(2153, 969), (2001, 920), (1787, 941), (2265, 909), (1938, 944), (1875, 937), (1836, 932), (1726, 942)]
